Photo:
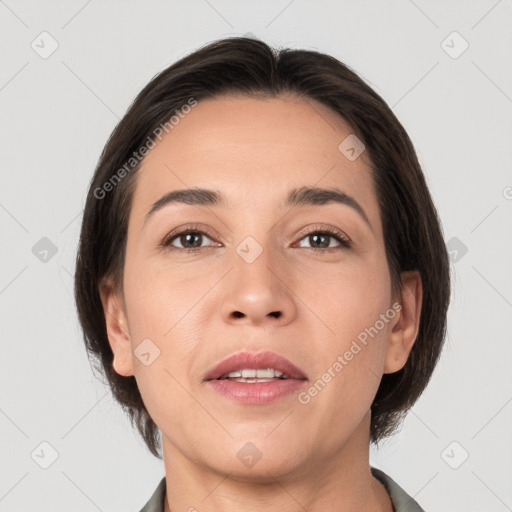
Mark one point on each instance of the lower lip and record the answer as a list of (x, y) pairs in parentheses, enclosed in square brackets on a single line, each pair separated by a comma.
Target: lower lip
[(256, 392)]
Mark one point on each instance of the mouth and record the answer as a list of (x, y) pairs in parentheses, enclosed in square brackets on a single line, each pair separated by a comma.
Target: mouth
[(255, 378), (246, 366), (251, 375)]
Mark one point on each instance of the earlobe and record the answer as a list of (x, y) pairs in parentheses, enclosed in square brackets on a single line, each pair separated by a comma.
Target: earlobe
[(117, 329), (404, 332)]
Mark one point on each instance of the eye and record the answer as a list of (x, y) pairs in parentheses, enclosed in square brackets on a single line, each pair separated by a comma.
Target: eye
[(321, 240), (188, 239), (191, 239)]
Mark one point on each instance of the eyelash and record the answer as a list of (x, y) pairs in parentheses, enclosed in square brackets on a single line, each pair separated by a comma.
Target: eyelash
[(345, 243)]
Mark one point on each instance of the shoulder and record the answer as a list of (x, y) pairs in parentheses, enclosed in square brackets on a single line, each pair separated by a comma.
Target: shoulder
[(156, 502), (402, 502)]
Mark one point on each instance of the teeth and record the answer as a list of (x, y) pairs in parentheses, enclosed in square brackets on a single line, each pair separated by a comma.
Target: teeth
[(251, 381), (249, 373)]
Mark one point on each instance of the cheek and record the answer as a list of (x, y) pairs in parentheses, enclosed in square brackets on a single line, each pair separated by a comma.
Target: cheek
[(164, 305), (350, 301), (157, 298), (161, 309), (350, 359), (349, 297)]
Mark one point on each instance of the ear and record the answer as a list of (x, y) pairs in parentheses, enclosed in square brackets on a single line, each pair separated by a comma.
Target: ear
[(404, 332), (117, 328)]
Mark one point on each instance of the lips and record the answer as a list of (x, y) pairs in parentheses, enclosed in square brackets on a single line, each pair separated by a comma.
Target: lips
[(256, 361)]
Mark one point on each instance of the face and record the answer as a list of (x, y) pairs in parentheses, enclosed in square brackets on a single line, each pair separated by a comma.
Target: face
[(254, 275)]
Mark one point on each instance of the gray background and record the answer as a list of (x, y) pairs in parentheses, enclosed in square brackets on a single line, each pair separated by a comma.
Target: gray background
[(57, 113)]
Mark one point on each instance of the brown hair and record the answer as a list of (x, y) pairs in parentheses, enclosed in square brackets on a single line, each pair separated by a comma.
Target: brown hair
[(412, 231)]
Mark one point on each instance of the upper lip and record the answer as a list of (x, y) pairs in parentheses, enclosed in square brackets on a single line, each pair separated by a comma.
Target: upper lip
[(250, 360)]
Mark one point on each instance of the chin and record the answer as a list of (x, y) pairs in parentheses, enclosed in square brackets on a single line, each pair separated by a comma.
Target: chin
[(264, 471), (258, 460)]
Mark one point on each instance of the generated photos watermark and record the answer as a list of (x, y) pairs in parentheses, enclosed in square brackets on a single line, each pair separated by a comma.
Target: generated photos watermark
[(342, 360), (138, 156)]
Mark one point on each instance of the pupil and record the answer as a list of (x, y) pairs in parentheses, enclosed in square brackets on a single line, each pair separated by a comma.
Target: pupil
[(317, 236), (189, 236)]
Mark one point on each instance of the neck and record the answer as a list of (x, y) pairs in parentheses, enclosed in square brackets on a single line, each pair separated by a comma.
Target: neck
[(341, 481)]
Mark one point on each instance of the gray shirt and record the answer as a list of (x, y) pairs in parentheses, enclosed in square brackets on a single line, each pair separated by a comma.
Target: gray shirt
[(402, 502)]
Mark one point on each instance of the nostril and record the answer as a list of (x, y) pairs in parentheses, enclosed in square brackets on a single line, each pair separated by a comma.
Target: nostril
[(238, 314), (275, 314)]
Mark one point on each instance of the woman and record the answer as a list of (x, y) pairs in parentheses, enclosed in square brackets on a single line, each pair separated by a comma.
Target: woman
[(257, 250)]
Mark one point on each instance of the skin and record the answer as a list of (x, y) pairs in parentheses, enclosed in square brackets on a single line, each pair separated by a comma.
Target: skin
[(315, 456)]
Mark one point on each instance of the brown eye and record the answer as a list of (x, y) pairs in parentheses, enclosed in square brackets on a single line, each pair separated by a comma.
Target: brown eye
[(188, 238), (322, 239)]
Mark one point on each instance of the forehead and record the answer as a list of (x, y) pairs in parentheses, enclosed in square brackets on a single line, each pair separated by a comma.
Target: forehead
[(254, 149), (244, 122)]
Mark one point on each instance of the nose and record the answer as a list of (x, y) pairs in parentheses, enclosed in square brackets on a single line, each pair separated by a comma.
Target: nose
[(259, 292)]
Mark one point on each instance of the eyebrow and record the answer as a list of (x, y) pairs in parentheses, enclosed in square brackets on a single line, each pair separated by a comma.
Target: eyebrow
[(304, 196)]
